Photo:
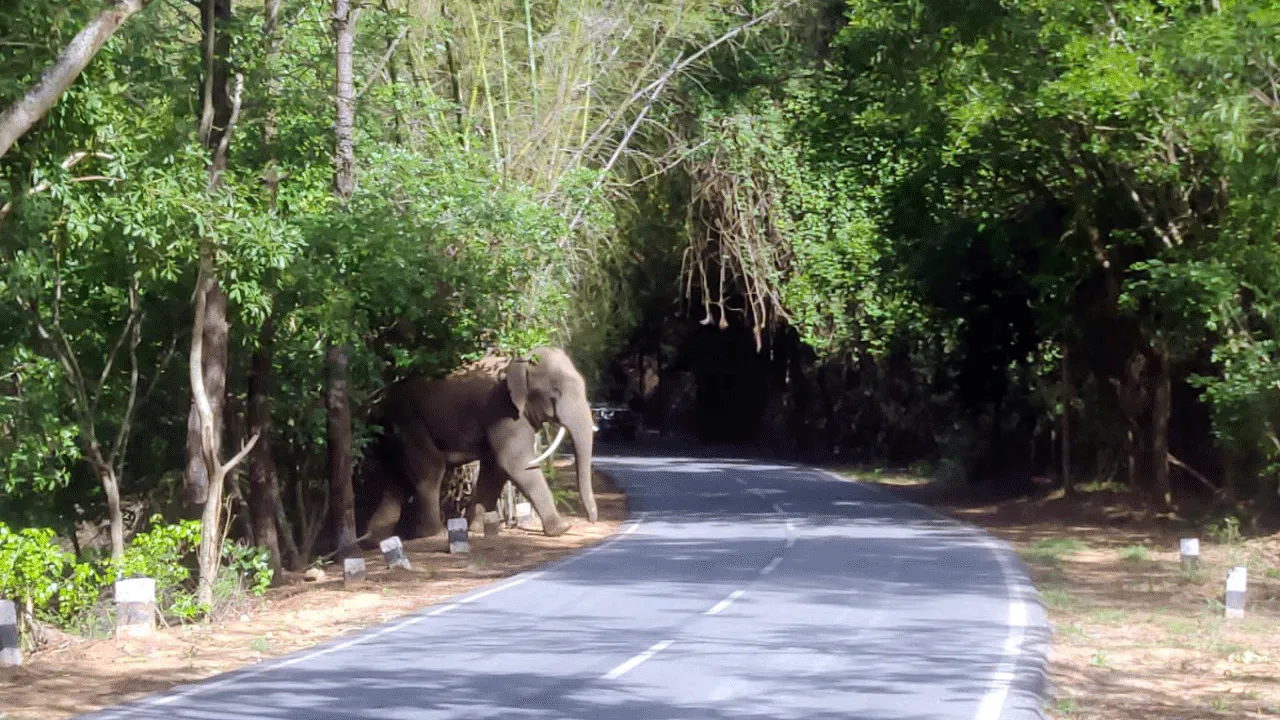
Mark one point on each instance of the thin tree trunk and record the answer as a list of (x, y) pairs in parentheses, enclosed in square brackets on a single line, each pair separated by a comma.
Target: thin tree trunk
[(19, 117), (342, 499), (216, 330), (344, 30), (270, 124), (210, 551), (263, 484), (1161, 409), (111, 488), (1067, 486), (337, 401), (215, 122)]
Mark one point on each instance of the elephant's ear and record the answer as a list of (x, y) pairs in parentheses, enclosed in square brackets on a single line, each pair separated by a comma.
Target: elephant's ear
[(518, 384)]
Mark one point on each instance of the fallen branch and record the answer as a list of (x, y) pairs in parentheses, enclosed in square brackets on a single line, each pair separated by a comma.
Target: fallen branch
[(1194, 473)]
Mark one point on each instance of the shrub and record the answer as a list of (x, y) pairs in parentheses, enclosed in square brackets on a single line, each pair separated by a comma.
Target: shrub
[(37, 574)]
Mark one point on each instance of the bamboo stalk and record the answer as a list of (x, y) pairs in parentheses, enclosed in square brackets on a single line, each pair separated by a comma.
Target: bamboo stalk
[(533, 61), (484, 77)]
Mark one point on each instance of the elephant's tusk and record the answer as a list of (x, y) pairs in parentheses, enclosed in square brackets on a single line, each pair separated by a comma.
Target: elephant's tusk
[(554, 444)]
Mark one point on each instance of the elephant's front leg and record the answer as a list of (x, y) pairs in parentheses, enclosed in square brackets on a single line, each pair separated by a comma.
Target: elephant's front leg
[(512, 458)]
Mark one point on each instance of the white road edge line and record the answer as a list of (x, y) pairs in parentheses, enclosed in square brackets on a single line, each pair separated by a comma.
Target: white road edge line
[(725, 602), (773, 565), (202, 687), (634, 662), (991, 707)]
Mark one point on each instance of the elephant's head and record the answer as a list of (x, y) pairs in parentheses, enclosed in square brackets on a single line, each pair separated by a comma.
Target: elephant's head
[(550, 389)]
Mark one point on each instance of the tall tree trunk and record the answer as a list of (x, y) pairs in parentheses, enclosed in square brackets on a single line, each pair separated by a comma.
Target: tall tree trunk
[(344, 30), (270, 124), (19, 117), (1161, 409), (115, 517), (264, 490), (337, 401), (196, 477), (342, 499), (215, 120), (1067, 486)]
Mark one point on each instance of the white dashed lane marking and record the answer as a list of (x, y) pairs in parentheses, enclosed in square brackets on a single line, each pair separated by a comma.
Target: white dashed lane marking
[(634, 662), (725, 602)]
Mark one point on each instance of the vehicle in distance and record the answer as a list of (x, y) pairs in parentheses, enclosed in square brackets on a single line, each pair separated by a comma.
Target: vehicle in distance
[(615, 421)]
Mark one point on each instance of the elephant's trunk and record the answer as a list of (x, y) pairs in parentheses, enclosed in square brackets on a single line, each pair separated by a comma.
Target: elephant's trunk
[(575, 414)]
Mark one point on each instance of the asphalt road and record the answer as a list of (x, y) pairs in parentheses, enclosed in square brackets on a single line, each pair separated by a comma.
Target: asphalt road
[(738, 589)]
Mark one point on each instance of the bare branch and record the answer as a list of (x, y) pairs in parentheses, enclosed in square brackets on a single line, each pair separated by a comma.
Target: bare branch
[(19, 117), (160, 368), (71, 161), (653, 88), (382, 63), (1194, 473), (240, 456), (126, 421), (220, 153)]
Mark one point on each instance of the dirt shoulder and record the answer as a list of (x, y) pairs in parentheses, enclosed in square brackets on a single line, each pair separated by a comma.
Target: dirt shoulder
[(77, 676), (1134, 636)]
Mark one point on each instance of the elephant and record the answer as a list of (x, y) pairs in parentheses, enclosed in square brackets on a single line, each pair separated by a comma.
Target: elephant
[(490, 416)]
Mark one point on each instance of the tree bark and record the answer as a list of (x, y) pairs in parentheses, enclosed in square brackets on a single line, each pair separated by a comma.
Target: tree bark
[(1161, 409), (264, 493), (214, 364), (216, 119), (1067, 486), (270, 123), (115, 518), (344, 30), (210, 551), (337, 401), (338, 406), (19, 117)]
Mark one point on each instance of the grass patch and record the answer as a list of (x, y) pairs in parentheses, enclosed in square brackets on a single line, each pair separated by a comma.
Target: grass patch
[(1180, 626), (1057, 598), (1135, 554), (1050, 551), (1072, 632), (1107, 616)]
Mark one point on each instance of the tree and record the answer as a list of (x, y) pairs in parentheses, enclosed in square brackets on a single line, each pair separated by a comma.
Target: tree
[(18, 118), (337, 398)]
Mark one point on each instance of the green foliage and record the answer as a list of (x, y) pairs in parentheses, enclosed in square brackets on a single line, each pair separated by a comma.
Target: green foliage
[(251, 565), (163, 553), (35, 570)]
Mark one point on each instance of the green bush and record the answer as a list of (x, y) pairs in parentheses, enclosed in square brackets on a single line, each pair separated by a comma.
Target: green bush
[(36, 572)]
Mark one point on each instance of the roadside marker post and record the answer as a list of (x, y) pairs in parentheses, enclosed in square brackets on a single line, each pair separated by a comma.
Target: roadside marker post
[(135, 607), (1237, 580), (458, 536), (492, 523), (524, 515), (353, 571), (393, 553), (1190, 551), (10, 649)]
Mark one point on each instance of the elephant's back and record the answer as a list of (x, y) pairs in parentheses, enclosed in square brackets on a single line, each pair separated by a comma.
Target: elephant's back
[(450, 409)]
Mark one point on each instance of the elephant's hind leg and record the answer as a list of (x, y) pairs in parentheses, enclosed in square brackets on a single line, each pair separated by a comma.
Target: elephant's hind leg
[(426, 468), (383, 521), (488, 487)]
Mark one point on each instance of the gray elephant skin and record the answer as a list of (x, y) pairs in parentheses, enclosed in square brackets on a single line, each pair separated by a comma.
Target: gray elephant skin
[(490, 416)]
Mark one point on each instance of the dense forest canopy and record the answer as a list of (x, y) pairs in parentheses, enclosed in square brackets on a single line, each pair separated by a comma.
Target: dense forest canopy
[(1005, 238)]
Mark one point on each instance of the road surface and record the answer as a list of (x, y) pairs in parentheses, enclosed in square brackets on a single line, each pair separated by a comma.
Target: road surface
[(737, 589)]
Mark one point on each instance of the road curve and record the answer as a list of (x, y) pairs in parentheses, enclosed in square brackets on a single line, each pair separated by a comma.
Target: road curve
[(737, 589)]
